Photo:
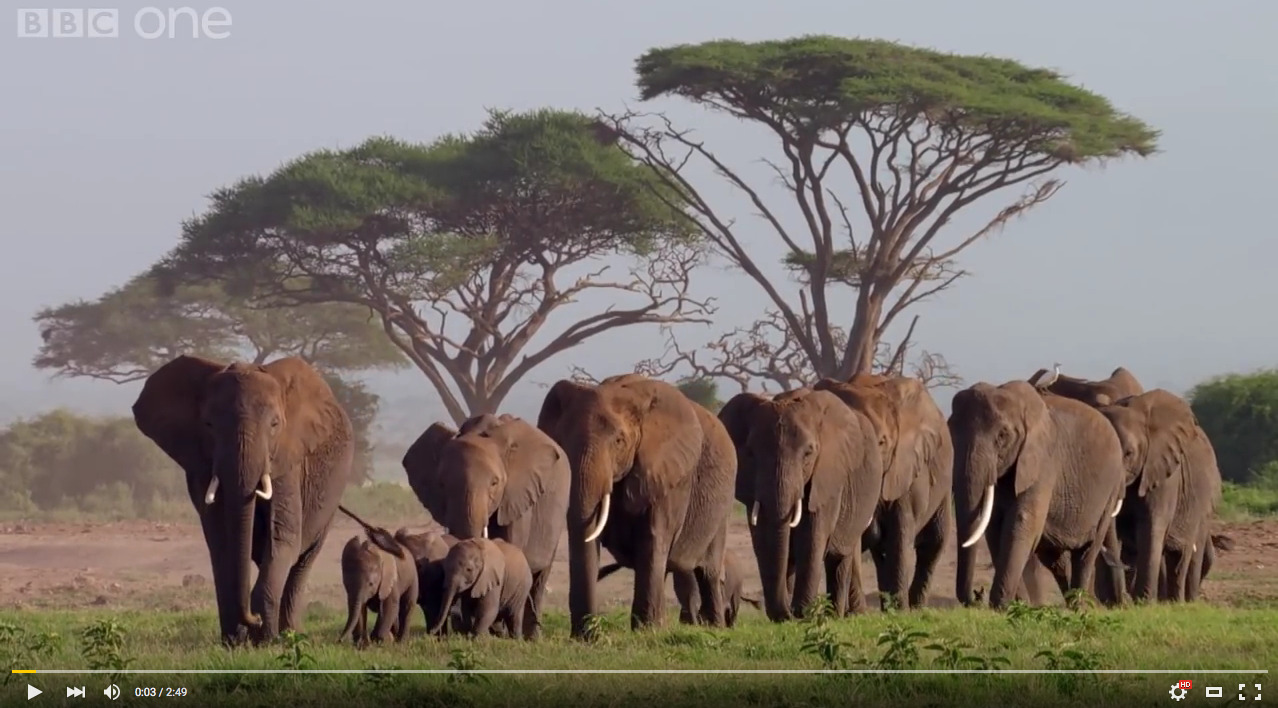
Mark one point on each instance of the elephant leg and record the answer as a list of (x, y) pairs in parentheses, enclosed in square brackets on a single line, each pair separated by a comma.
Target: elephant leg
[(713, 610), (532, 621), (486, 610), (1151, 537), (882, 573), (685, 585), (405, 617), (927, 548), (293, 601), (1111, 575), (515, 620), (228, 617), (1193, 583), (653, 553), (843, 576), (1178, 579), (1019, 535), (1045, 566), (387, 611), (897, 526)]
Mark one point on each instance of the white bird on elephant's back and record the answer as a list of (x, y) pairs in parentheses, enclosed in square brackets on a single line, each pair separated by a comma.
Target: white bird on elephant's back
[(1044, 385)]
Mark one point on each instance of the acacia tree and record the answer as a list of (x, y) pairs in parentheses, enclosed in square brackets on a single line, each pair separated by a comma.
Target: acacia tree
[(131, 331), (881, 146), (464, 247)]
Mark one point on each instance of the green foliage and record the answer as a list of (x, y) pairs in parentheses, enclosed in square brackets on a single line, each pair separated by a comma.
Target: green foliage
[(704, 391), (1257, 500), (819, 83), (820, 639), (295, 651), (388, 502), (464, 662), (1239, 413), (102, 645), (103, 466), (22, 649)]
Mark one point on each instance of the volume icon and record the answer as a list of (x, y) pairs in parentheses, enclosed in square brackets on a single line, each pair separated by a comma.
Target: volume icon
[(112, 692), (73, 692)]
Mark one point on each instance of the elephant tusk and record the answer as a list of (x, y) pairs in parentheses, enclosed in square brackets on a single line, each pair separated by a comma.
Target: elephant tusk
[(266, 492), (597, 528), (754, 514), (1194, 549), (987, 510), (868, 524), (485, 532), (210, 495), (1117, 508), (798, 514)]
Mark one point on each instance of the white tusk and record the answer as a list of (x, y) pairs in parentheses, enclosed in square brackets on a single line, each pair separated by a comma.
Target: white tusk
[(1194, 549), (597, 528), (987, 510), (754, 514), (210, 495), (868, 524), (798, 514), (266, 491), (485, 532), (1117, 508)]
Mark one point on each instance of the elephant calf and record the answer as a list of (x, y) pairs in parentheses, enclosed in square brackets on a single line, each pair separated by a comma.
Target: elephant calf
[(733, 589), (493, 582), (380, 575), (429, 549)]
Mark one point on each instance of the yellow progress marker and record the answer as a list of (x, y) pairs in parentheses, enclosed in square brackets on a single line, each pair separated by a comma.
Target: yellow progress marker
[(24, 671)]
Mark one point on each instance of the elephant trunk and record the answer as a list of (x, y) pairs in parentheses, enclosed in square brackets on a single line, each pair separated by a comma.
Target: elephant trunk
[(588, 510), (470, 520), (974, 487), (777, 510), (445, 603)]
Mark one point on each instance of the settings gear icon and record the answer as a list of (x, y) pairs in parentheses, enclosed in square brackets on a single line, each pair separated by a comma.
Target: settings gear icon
[(1177, 693)]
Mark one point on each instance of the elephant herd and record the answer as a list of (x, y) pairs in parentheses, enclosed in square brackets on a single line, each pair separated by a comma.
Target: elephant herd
[(1096, 485)]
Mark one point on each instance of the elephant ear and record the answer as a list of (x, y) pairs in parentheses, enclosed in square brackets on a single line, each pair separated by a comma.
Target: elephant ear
[(168, 412), (736, 416), (1035, 450), (905, 399), (493, 572), (534, 463), (557, 402), (312, 416), (421, 464), (670, 442), (838, 453), (1170, 429)]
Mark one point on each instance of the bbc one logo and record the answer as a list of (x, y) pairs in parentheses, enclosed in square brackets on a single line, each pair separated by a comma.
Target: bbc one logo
[(147, 23)]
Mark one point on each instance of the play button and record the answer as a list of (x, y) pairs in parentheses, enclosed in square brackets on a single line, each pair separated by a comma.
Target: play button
[(32, 692)]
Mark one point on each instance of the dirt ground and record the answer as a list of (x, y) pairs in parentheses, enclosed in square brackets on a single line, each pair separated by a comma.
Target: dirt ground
[(165, 566)]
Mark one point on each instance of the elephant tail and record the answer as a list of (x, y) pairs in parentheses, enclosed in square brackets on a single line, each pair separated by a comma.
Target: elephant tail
[(380, 537), (609, 570), (1222, 542)]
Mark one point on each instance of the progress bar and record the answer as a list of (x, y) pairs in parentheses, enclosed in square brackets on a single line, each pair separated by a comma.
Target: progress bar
[(1181, 672)]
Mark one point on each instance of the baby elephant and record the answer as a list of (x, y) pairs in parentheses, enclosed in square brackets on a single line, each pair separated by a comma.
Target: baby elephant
[(380, 575), (734, 594), (429, 549), (491, 581)]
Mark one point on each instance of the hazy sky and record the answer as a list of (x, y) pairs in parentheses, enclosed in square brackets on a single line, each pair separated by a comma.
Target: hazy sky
[(1164, 265)]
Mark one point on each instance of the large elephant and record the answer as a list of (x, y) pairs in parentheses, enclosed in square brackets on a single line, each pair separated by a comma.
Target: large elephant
[(805, 451), (669, 465), (1043, 473), (498, 477), (267, 453), (1177, 487), (914, 517)]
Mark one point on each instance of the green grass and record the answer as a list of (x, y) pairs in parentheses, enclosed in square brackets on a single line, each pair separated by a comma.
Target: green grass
[(1241, 502), (1194, 637)]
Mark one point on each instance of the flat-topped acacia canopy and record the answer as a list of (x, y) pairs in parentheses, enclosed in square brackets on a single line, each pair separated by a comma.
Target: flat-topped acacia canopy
[(821, 83)]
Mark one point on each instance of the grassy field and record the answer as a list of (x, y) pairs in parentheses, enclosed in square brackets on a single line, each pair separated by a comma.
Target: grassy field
[(1189, 638)]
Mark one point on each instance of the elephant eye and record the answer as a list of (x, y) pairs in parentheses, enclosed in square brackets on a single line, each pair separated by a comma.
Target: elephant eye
[(275, 422), (809, 450)]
